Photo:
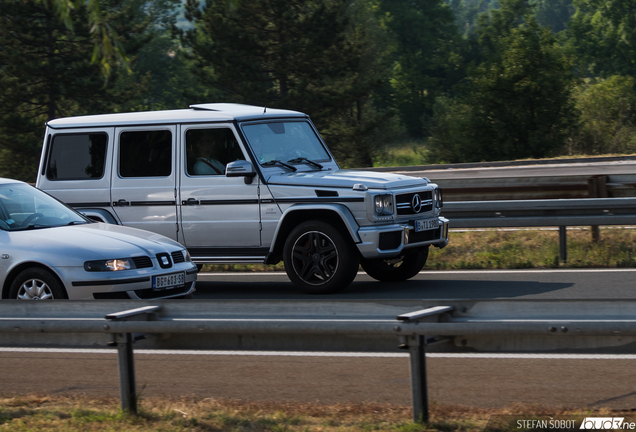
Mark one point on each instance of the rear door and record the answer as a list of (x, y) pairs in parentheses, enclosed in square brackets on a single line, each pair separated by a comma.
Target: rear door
[(144, 178), (75, 166)]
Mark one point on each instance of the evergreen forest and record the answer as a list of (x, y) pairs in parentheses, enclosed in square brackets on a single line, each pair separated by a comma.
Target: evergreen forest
[(453, 80)]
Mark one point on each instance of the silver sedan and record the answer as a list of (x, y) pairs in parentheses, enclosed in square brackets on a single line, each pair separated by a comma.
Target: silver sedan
[(49, 251)]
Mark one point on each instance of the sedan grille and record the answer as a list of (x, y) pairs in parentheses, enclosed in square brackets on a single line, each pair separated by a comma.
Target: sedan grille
[(177, 257), (414, 203), (142, 261)]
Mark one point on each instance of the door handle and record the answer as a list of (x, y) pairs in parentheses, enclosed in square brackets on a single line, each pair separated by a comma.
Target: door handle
[(121, 203), (190, 201)]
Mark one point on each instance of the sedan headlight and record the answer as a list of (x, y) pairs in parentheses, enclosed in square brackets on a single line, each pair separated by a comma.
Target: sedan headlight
[(383, 205), (109, 265)]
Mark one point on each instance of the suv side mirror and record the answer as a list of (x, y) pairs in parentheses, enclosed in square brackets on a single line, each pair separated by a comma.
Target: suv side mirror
[(241, 168)]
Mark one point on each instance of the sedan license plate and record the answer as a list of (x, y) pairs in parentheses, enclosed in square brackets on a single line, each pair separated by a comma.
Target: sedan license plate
[(168, 281), (425, 224)]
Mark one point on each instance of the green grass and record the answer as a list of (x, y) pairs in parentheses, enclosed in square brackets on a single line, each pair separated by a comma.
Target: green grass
[(44, 413), (402, 154)]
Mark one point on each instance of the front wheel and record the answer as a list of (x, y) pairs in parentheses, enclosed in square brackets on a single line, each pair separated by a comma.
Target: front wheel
[(396, 269), (318, 259), (36, 284)]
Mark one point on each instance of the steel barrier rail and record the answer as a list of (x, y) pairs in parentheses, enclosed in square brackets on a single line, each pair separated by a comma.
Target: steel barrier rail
[(542, 213), (611, 324)]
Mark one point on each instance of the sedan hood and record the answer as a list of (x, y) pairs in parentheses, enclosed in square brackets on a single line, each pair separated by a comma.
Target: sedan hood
[(346, 178), (95, 241)]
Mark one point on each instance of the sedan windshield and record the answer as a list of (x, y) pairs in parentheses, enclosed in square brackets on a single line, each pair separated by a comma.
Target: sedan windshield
[(24, 207), (287, 142)]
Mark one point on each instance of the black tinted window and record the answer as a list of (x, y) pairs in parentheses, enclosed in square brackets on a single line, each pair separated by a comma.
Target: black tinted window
[(210, 150), (77, 156), (145, 154)]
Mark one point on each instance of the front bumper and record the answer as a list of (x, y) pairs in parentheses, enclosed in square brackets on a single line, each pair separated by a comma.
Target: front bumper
[(135, 284), (388, 241)]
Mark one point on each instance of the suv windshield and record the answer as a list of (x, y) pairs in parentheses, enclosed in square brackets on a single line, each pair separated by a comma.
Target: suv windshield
[(24, 207), (285, 142)]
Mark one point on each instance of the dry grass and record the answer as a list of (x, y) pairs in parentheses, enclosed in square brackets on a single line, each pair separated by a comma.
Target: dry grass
[(510, 249), (78, 413), (533, 248)]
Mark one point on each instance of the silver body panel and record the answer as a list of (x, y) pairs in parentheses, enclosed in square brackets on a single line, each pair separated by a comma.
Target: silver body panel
[(234, 219)]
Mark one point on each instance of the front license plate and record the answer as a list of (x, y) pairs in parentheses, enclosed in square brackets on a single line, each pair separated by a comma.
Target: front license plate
[(425, 224), (168, 281)]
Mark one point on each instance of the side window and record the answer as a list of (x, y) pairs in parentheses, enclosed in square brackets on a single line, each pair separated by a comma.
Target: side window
[(145, 153), (208, 151), (77, 156)]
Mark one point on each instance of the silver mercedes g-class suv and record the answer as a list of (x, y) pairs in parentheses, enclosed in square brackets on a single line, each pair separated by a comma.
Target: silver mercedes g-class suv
[(244, 184)]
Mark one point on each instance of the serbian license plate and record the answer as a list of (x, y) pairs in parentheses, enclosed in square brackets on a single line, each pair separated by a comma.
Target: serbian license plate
[(425, 224), (168, 281)]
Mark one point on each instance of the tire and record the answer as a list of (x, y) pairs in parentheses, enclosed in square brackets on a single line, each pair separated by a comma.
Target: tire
[(397, 269), (36, 284), (319, 259)]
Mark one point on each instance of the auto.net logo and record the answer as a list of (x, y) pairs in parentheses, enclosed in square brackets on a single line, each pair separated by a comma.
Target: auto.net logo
[(607, 423)]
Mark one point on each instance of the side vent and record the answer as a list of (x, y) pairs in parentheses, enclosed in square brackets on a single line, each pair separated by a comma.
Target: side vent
[(326, 193)]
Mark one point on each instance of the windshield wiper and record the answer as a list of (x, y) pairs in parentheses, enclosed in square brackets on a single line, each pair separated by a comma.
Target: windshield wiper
[(304, 159), (281, 163)]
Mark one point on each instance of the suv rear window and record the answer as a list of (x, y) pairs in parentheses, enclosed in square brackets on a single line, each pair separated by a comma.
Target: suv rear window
[(77, 156), (145, 153)]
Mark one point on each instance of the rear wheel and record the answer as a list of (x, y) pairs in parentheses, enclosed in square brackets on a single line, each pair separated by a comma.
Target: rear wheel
[(319, 259), (36, 284), (396, 269)]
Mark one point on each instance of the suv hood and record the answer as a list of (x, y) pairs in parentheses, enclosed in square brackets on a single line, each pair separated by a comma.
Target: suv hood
[(346, 178)]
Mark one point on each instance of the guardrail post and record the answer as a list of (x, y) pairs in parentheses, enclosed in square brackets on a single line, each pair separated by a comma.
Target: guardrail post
[(563, 244), (597, 188), (126, 372), (419, 387), (416, 345), (124, 343)]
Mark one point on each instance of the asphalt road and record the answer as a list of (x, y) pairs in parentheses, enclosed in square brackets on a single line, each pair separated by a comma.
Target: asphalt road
[(480, 382), (478, 284), (591, 382)]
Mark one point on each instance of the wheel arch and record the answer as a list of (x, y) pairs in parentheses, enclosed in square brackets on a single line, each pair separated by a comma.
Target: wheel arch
[(337, 215), (14, 272), (98, 215)]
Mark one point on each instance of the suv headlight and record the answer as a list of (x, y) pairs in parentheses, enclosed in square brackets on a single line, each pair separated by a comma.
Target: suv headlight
[(383, 205), (109, 265), (439, 200)]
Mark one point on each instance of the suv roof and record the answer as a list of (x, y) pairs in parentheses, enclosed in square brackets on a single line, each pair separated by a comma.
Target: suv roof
[(200, 113)]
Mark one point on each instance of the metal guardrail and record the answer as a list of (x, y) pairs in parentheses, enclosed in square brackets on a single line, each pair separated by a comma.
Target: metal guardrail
[(542, 213), (442, 325)]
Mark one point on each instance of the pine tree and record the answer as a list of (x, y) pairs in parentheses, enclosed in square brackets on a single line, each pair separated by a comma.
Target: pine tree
[(46, 72), (295, 54)]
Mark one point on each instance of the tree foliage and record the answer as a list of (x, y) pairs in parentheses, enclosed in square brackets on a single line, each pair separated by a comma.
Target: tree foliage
[(515, 104), (603, 34), (470, 79), (607, 117), (426, 57), (47, 73), (304, 55)]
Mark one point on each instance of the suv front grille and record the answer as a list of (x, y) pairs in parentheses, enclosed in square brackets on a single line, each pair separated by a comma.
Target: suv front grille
[(409, 204), (142, 261)]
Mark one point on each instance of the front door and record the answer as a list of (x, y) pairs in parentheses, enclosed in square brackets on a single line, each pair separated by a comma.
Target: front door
[(143, 192), (220, 215)]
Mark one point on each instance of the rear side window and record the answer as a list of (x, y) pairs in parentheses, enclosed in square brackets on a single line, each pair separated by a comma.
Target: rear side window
[(77, 156), (145, 154)]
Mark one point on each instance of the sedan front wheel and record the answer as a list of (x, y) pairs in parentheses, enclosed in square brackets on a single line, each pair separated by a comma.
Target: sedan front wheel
[(36, 284)]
